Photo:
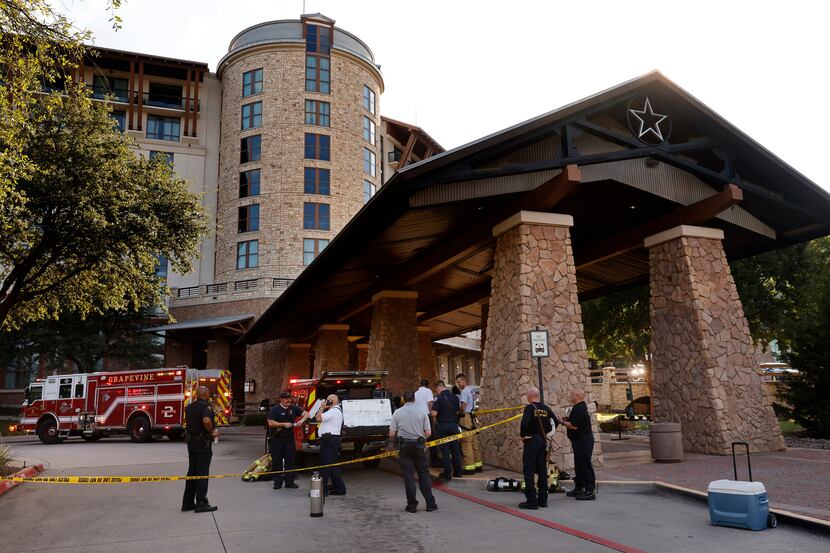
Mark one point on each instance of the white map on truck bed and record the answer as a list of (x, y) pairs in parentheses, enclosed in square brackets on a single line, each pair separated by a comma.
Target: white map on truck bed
[(366, 412)]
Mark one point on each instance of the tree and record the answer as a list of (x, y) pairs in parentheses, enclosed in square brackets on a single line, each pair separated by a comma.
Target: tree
[(617, 327)]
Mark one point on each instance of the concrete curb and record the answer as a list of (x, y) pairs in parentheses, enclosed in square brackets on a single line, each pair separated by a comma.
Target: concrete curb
[(6, 485)]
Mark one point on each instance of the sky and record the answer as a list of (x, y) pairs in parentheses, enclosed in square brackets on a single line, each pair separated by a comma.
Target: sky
[(461, 69)]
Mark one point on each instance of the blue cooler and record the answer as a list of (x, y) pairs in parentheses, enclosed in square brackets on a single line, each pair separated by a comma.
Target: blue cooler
[(738, 504)]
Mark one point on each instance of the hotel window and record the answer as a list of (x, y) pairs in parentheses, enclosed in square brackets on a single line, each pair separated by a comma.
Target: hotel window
[(368, 130), (165, 96), (312, 248), (120, 118), (250, 149), (247, 254), (249, 183), (369, 162), (161, 266), (318, 39), (248, 218), (317, 181), (368, 191), (163, 128), (316, 216), (369, 99), (317, 74), (251, 115), (317, 113), (166, 156), (117, 88), (317, 146), (252, 82)]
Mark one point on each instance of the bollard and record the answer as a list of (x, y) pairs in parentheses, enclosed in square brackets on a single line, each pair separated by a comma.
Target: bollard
[(316, 495)]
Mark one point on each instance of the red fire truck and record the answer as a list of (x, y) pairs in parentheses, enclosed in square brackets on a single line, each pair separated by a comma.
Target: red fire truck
[(141, 403)]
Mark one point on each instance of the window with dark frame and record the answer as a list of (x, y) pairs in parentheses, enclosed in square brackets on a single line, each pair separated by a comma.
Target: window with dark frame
[(317, 113), (247, 254), (317, 74), (165, 95), (120, 118), (164, 128), (368, 99), (117, 88), (368, 130), (252, 82), (316, 216), (317, 39), (317, 146), (312, 248), (250, 148), (317, 181), (252, 115), (248, 218), (369, 190), (370, 165), (249, 183)]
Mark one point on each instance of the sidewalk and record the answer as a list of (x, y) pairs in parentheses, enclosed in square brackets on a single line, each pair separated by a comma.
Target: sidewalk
[(797, 480)]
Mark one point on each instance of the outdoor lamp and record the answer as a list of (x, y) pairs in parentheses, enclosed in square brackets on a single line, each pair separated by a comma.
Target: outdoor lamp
[(250, 386)]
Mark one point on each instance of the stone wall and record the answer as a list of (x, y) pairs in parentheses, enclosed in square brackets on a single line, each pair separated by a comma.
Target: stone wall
[(426, 356), (393, 340), (704, 369), (331, 352), (534, 283), (266, 363)]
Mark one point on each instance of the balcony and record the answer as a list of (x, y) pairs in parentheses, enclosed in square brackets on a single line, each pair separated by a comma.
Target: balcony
[(147, 98), (265, 286)]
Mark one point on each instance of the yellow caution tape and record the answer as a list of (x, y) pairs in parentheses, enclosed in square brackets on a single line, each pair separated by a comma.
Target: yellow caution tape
[(149, 479), (499, 410)]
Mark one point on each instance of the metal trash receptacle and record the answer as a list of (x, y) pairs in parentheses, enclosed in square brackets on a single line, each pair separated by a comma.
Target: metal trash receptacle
[(666, 442)]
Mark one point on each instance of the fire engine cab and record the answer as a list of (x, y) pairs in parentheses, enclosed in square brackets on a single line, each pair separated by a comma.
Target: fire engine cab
[(140, 403), (367, 412)]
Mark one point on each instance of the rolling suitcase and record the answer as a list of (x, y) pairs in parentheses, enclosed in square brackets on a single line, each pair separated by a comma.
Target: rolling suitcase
[(740, 504)]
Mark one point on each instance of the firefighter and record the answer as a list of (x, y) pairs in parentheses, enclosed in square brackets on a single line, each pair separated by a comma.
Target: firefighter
[(578, 423), (281, 423), (330, 418), (445, 410), (410, 425), (470, 448), (534, 428), (199, 434)]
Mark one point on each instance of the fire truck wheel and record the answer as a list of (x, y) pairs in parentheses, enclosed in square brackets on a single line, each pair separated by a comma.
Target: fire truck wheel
[(373, 464), (47, 431), (140, 429), (91, 437)]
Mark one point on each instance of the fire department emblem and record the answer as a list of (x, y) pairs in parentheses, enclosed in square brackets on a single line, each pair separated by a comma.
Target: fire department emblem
[(648, 121), (106, 397), (64, 408)]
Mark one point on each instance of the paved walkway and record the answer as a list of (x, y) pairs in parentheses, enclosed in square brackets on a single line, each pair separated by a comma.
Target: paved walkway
[(797, 480)]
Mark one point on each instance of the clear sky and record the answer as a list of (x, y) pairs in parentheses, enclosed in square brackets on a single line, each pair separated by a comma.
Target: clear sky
[(464, 68)]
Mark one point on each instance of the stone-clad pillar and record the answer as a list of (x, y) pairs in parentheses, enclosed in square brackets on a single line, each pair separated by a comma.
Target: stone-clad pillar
[(426, 355), (298, 364), (218, 353), (362, 356), (704, 371), (265, 363), (331, 353), (393, 339), (534, 283)]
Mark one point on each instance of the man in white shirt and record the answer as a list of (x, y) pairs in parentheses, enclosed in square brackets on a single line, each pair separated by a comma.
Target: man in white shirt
[(423, 402), (330, 417)]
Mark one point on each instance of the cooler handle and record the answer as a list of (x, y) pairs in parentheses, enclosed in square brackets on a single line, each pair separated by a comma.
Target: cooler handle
[(748, 461)]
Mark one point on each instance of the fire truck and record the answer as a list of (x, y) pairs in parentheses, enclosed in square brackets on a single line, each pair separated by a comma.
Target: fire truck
[(140, 403), (367, 412)]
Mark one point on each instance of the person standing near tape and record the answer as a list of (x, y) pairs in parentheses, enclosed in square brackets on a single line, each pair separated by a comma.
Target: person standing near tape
[(578, 423), (445, 410), (410, 426), (330, 418), (534, 429), (199, 434), (281, 423), (470, 448)]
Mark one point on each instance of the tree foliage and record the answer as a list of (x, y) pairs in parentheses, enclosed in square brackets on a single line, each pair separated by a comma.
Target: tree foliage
[(83, 218), (617, 328)]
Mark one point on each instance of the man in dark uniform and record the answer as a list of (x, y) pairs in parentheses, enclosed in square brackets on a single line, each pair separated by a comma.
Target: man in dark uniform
[(578, 424), (445, 410), (282, 418), (199, 434), (535, 426)]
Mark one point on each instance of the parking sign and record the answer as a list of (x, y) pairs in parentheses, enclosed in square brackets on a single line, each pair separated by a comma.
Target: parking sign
[(539, 343)]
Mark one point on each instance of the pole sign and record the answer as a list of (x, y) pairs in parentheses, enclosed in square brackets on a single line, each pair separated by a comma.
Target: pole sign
[(539, 343)]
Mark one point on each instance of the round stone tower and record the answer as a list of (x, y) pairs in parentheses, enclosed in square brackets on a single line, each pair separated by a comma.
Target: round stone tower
[(298, 145)]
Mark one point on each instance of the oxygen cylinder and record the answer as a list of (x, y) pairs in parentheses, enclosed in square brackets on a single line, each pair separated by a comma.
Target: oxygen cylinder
[(316, 495)]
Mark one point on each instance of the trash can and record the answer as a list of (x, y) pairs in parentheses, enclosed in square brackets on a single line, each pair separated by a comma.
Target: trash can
[(666, 442)]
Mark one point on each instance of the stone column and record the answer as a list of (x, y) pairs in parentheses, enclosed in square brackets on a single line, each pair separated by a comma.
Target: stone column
[(265, 363), (534, 283), (485, 313), (298, 364), (702, 355), (331, 352), (426, 356), (218, 354), (362, 356), (393, 339), (604, 399)]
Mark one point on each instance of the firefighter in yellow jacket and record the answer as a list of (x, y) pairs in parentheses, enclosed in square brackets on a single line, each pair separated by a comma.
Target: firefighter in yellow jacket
[(470, 449)]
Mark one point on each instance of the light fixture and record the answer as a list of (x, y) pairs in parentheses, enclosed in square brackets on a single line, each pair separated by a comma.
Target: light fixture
[(250, 386)]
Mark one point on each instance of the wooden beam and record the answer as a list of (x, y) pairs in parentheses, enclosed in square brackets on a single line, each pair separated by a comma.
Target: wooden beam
[(196, 100), (187, 103), (140, 124), (631, 239), (462, 299), (429, 152), (131, 99), (407, 151)]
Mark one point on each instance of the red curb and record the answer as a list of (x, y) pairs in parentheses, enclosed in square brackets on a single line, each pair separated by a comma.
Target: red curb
[(547, 523), (6, 485)]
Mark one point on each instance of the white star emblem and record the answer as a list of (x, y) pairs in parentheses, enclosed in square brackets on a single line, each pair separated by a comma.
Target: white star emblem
[(649, 121)]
